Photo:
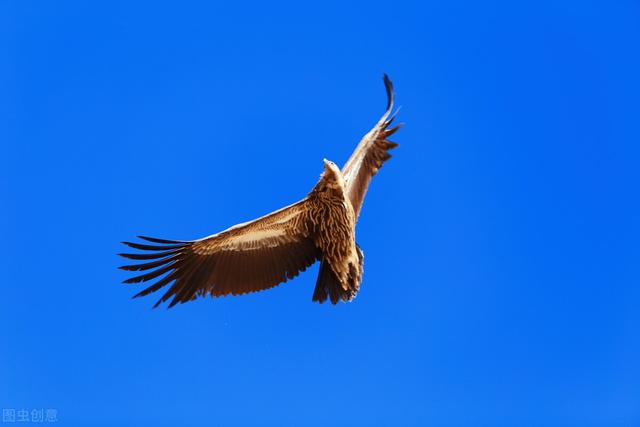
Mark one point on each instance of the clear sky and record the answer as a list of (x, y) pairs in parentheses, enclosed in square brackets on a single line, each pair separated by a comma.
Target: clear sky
[(502, 274)]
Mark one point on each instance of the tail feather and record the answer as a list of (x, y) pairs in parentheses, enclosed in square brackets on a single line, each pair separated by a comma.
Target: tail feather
[(328, 285)]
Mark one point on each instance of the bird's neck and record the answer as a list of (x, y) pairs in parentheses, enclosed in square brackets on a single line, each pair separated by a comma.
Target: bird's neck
[(329, 188)]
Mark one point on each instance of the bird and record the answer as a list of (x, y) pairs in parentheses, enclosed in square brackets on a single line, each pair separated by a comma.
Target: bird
[(263, 253)]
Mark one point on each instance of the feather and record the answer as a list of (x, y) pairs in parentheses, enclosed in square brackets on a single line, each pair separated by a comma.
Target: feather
[(151, 247), (245, 258), (370, 154)]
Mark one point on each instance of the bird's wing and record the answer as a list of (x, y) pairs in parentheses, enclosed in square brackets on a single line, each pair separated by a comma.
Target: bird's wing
[(370, 154), (248, 257)]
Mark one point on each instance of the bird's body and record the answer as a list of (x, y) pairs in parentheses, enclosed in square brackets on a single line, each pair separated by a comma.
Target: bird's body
[(334, 233), (263, 253)]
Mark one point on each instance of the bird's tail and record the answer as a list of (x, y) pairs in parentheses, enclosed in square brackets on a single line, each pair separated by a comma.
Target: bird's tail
[(328, 285)]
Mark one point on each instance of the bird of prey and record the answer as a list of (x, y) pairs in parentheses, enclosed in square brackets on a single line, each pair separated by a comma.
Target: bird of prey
[(270, 250)]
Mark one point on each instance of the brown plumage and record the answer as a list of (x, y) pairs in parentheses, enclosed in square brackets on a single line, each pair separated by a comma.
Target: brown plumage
[(265, 252)]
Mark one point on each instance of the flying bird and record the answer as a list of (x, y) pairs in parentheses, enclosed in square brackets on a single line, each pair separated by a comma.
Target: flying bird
[(260, 254)]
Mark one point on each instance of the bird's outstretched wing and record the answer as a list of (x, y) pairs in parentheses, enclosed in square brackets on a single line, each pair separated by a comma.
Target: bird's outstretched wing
[(248, 257), (370, 154)]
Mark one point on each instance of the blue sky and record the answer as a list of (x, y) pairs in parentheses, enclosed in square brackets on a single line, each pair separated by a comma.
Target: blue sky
[(501, 281)]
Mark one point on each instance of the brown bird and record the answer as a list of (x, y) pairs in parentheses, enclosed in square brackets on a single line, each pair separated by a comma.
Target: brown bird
[(265, 252)]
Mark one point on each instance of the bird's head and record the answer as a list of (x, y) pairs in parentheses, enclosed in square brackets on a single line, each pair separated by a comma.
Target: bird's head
[(332, 175)]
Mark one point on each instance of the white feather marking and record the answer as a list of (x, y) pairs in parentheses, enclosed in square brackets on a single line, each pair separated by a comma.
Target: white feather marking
[(257, 235)]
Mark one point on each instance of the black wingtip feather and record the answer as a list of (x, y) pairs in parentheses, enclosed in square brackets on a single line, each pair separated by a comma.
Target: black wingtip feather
[(392, 130), (156, 240), (168, 279), (389, 87), (144, 247), (152, 275), (142, 257), (147, 265), (391, 145)]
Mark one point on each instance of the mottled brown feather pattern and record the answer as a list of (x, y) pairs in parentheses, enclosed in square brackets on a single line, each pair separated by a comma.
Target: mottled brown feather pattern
[(218, 265), (270, 250)]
